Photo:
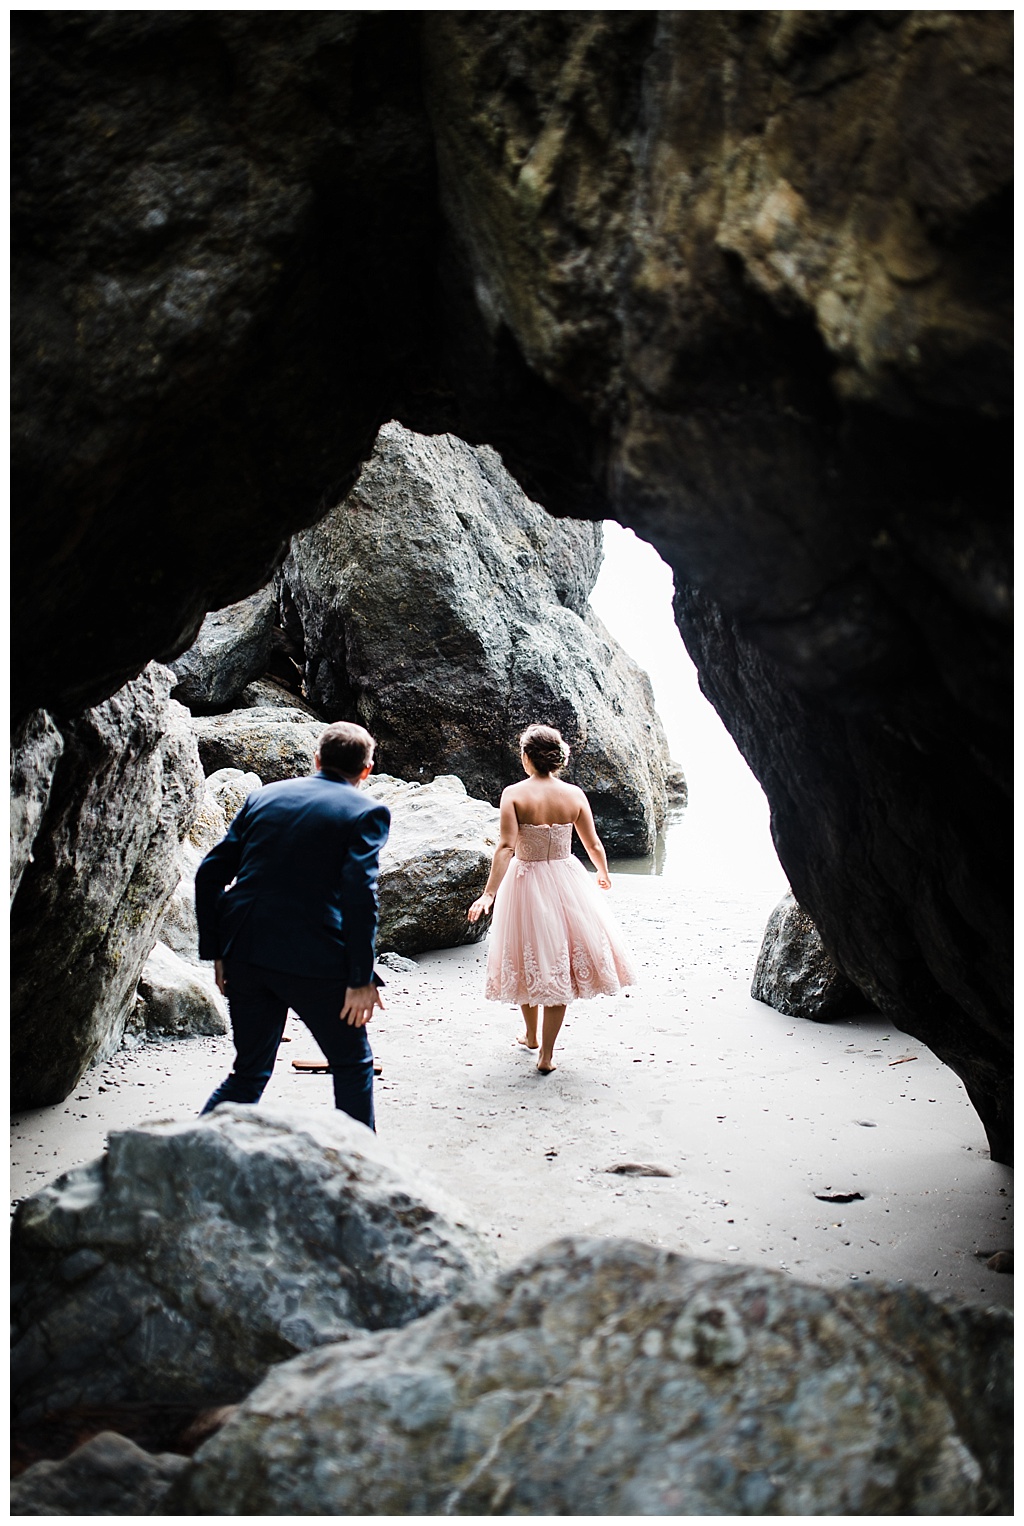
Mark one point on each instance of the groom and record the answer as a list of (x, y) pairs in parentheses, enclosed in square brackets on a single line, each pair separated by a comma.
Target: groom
[(295, 928)]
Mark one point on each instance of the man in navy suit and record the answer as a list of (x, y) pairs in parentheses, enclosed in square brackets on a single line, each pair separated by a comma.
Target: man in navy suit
[(295, 928)]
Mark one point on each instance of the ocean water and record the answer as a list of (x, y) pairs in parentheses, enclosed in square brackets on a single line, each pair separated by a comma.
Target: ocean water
[(721, 843)]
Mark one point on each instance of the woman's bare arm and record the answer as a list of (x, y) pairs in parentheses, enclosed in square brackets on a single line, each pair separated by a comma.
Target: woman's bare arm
[(584, 825), (508, 827)]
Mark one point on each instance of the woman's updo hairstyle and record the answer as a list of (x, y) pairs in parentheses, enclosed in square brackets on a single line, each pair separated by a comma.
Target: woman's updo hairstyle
[(544, 747)]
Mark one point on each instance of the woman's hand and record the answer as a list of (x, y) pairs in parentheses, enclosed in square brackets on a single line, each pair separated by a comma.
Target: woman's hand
[(480, 907), (604, 880)]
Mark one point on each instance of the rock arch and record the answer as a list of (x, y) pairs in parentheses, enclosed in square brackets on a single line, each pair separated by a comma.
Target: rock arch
[(738, 279)]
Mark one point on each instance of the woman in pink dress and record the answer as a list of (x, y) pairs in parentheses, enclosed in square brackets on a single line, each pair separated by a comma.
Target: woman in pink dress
[(552, 940)]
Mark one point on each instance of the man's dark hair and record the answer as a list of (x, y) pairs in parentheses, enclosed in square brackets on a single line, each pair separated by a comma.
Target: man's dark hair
[(345, 749)]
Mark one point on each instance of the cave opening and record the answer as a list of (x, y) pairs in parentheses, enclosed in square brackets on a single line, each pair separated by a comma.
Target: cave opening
[(720, 840)]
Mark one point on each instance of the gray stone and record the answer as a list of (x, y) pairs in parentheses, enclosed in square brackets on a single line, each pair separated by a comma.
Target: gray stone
[(434, 863), (232, 648), (676, 785), (226, 792), (267, 694), (273, 742), (397, 963), (795, 975), (604, 1377), (108, 1475), (179, 998), (227, 1242), (35, 751), (445, 611), (106, 859)]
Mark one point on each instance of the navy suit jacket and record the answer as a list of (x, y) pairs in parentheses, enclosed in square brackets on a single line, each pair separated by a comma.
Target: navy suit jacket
[(302, 854)]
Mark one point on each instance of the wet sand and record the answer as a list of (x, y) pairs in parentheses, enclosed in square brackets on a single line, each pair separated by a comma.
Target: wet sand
[(756, 1116)]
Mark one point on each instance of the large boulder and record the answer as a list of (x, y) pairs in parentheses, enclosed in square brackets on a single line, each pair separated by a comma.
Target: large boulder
[(196, 1253), (604, 1377), (225, 793), (232, 648), (109, 1475), (266, 693), (434, 863), (177, 998), (105, 860), (445, 611), (272, 741), (794, 973), (36, 747)]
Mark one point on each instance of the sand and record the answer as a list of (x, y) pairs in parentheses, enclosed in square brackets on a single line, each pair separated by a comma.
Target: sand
[(756, 1117)]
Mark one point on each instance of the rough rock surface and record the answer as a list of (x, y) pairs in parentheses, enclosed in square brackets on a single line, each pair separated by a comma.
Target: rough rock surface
[(740, 279), (232, 648), (206, 204), (225, 793), (435, 862), (197, 1252), (109, 1475), (794, 973), (274, 743), (178, 997), (105, 861), (604, 1377), (35, 751), (445, 611), (264, 693)]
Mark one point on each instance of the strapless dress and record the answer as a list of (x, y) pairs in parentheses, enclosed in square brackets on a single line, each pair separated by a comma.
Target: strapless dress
[(552, 940)]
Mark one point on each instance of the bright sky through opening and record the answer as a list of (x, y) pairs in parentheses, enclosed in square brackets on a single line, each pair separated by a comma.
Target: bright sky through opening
[(722, 841)]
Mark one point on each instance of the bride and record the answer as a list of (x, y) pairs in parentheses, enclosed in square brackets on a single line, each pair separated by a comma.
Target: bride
[(552, 940)]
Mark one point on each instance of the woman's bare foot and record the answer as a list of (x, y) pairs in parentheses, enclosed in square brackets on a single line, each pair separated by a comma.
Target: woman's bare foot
[(524, 1039), (546, 1066)]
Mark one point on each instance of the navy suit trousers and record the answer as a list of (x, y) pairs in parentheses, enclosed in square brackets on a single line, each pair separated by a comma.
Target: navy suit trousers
[(259, 1000)]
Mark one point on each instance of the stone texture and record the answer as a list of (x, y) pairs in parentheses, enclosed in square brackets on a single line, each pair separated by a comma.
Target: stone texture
[(604, 1377), (206, 204), (434, 863), (274, 743), (739, 279), (676, 786), (795, 975), (922, 934), (178, 997), (197, 1252), (36, 747), (109, 1475), (232, 648), (445, 611), (225, 793), (264, 693), (105, 861)]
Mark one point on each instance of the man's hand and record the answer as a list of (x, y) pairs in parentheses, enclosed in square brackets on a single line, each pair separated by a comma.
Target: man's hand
[(218, 975), (359, 1004)]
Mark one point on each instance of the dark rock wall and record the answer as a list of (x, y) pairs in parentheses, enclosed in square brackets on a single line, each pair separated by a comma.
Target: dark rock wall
[(740, 279), (125, 790), (218, 220), (895, 837), (764, 257)]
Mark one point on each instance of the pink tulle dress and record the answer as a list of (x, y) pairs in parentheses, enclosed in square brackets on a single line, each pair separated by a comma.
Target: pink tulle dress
[(552, 941)]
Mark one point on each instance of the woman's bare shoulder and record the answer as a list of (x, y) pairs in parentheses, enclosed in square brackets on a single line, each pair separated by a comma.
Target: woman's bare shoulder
[(573, 794)]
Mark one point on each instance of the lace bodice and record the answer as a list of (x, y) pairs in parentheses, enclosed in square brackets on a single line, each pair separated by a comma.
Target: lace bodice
[(535, 844)]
